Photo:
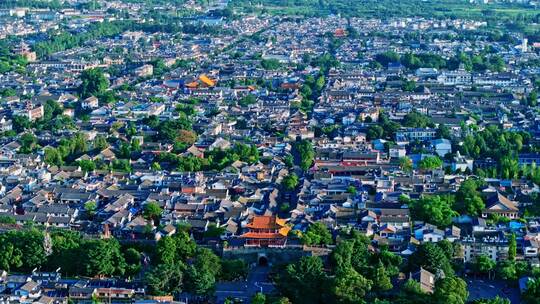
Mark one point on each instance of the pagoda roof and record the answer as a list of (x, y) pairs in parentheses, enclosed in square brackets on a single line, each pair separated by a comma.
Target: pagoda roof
[(266, 222)]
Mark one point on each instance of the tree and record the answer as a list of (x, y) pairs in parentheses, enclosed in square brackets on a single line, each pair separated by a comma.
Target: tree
[(432, 258), (374, 132), (387, 57), (468, 199), (506, 270), (247, 100), (10, 256), (102, 258), (317, 234), (93, 82), (258, 298), (434, 209), (416, 120), (87, 165), (100, 143), (51, 109), (90, 207), (166, 251), (165, 279), (52, 156), (411, 292), (405, 164), (233, 269), (381, 280), (451, 290), (430, 162), (28, 246), (152, 211), (512, 247), (306, 153), (352, 190), (290, 182), (532, 293), (186, 138), (350, 287), (28, 143), (496, 300), (201, 275), (270, 64), (133, 261), (303, 281), (483, 264), (21, 123)]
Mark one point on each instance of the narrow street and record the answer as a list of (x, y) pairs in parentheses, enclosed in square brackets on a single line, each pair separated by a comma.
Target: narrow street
[(257, 281)]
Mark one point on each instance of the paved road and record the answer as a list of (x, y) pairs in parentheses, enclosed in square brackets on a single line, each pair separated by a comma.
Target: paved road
[(257, 281), (487, 289)]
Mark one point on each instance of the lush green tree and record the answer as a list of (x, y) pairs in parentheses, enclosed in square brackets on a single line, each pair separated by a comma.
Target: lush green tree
[(468, 199), (417, 120), (409, 86), (90, 207), (270, 64), (102, 258), (233, 269), (28, 143), (352, 190), (350, 287), (306, 153), (66, 246), (247, 100), (202, 273), (87, 165), (432, 258), (258, 298), (496, 300), (133, 261), (506, 270), (93, 82), (52, 156), (166, 251), (21, 123), (100, 143), (381, 280), (152, 211), (387, 57), (10, 256), (451, 290), (405, 164), (435, 209), (411, 293), (165, 279), (430, 162), (317, 234), (483, 264), (290, 182), (512, 247), (304, 281), (532, 293), (374, 132)]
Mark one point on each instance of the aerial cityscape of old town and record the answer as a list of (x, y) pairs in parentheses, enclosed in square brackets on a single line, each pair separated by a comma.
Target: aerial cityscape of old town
[(270, 151)]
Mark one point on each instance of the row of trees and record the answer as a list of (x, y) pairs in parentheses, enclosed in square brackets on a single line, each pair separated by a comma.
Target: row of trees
[(439, 210), (214, 160), (177, 263), (180, 265), (356, 274), (470, 62), (304, 154), (25, 250)]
